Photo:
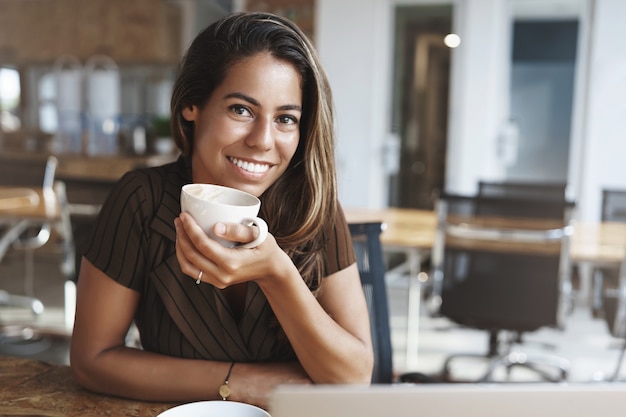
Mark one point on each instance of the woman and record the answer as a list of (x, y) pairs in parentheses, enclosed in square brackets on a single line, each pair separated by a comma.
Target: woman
[(251, 109)]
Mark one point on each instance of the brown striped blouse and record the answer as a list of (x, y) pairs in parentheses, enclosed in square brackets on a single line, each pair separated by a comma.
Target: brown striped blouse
[(133, 242)]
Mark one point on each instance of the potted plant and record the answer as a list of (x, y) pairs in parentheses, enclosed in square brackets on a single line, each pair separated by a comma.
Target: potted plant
[(162, 135)]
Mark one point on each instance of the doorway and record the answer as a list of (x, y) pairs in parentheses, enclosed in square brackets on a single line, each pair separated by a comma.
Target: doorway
[(420, 103), (542, 94)]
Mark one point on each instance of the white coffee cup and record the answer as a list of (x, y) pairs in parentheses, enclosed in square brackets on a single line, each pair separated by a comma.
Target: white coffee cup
[(209, 204)]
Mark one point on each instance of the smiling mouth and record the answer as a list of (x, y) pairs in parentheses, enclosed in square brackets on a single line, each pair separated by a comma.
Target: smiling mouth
[(249, 166)]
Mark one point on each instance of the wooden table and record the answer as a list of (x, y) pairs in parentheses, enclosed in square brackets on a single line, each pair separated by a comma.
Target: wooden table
[(599, 243), (106, 168), (404, 228), (94, 167), (412, 232), (29, 203), (33, 388)]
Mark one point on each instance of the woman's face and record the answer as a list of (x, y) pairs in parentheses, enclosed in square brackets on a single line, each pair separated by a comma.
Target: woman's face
[(248, 131)]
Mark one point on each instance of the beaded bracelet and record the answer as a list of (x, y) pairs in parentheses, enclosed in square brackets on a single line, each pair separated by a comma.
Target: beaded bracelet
[(224, 390)]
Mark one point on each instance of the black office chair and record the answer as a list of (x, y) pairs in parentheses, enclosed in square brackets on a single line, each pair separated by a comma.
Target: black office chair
[(614, 310), (370, 260), (609, 284), (506, 275), (614, 205), (85, 198), (515, 189), (605, 279)]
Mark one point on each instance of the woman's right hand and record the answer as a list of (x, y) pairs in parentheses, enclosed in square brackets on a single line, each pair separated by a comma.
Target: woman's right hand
[(223, 266)]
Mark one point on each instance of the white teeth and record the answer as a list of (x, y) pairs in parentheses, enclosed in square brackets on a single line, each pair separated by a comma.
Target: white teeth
[(250, 166)]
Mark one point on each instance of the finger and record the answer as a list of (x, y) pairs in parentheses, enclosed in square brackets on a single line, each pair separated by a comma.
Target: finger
[(236, 232), (189, 257), (191, 227)]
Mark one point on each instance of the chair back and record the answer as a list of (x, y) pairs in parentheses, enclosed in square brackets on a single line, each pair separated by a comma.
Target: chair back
[(501, 263), (614, 297), (28, 171), (614, 205), (614, 304), (524, 190), (370, 260)]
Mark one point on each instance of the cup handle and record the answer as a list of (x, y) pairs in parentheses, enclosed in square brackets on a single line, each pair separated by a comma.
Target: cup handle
[(261, 225)]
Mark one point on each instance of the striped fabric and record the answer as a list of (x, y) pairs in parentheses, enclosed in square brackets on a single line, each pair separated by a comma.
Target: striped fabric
[(133, 243)]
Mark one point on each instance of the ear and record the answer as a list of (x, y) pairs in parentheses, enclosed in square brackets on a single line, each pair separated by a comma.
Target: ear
[(190, 113)]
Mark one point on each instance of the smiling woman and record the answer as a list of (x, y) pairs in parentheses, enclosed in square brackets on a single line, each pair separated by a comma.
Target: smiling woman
[(251, 110)]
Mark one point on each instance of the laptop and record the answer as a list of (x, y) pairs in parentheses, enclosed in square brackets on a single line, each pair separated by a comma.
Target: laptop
[(451, 400)]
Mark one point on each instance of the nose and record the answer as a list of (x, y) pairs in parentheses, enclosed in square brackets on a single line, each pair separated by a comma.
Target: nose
[(261, 135)]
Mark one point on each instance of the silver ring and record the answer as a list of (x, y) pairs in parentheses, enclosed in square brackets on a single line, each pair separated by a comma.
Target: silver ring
[(199, 280)]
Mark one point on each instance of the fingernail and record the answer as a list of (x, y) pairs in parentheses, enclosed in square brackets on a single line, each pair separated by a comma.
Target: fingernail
[(220, 229)]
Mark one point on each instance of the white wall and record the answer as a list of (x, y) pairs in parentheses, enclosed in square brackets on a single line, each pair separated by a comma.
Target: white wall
[(604, 136), (355, 41), (479, 101), (350, 38)]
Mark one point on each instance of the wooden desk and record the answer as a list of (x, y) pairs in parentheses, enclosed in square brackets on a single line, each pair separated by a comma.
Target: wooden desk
[(33, 388), (106, 168), (29, 203), (599, 243), (404, 228), (103, 168)]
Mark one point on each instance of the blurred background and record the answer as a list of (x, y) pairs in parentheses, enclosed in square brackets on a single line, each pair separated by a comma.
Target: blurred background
[(430, 94)]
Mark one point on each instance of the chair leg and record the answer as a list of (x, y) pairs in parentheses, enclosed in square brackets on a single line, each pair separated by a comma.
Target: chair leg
[(29, 272), (512, 359), (596, 300), (34, 304), (620, 359)]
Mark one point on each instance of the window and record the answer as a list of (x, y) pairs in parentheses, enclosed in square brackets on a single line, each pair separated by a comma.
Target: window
[(9, 99)]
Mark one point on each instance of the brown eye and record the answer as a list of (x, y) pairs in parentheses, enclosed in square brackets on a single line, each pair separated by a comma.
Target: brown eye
[(240, 110), (287, 120)]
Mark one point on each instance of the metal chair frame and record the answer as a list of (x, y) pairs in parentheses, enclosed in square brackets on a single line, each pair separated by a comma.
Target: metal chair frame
[(371, 264)]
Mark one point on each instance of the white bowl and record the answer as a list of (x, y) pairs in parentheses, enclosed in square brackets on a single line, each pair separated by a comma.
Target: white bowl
[(215, 409)]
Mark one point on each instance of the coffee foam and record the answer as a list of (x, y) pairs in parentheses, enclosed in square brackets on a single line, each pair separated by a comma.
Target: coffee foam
[(209, 194)]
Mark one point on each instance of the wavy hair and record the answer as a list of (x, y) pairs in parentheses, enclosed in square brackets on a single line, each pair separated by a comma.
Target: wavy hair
[(300, 206)]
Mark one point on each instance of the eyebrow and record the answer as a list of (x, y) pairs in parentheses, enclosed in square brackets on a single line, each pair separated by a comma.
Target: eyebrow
[(256, 103)]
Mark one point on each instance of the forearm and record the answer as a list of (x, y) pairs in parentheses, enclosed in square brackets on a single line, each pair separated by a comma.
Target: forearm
[(327, 351), (138, 374)]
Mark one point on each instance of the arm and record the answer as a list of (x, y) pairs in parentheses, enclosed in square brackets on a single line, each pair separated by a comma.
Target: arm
[(330, 334), (101, 362)]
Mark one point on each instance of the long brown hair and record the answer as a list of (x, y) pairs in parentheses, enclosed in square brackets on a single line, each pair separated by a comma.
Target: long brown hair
[(300, 206)]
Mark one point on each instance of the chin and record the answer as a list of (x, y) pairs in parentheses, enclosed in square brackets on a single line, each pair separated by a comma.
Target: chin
[(255, 191)]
